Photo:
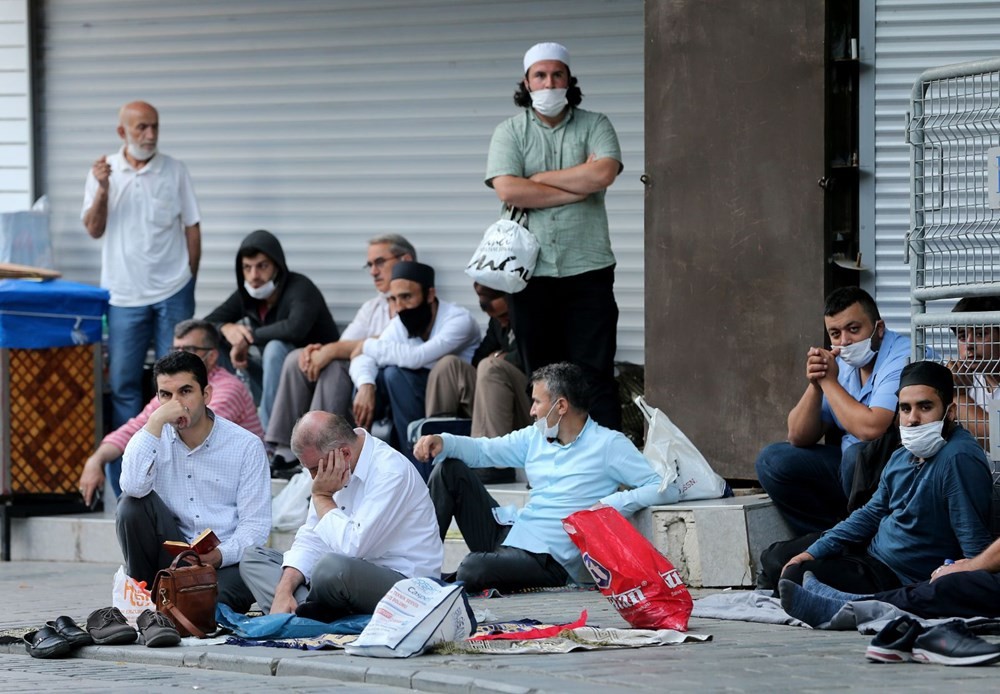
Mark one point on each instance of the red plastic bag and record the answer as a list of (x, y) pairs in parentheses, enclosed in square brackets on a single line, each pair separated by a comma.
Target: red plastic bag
[(640, 582)]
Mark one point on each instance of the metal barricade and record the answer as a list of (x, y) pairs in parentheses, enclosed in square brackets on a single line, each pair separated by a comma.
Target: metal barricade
[(953, 245)]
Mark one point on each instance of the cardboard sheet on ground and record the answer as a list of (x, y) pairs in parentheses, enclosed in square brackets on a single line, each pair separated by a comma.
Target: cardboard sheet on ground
[(579, 639)]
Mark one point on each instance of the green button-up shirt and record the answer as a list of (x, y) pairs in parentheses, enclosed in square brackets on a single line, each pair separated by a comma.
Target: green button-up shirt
[(574, 238)]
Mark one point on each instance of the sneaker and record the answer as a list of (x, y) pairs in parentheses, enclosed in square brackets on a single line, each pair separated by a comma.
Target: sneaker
[(108, 626), (953, 644), (895, 642), (157, 629)]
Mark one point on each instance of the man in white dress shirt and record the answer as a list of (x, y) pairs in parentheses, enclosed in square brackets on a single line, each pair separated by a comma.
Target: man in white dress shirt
[(187, 470), (392, 371), (316, 376), (371, 523)]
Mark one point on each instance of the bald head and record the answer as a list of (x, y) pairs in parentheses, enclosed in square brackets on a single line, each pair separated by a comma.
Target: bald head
[(139, 127), (321, 432)]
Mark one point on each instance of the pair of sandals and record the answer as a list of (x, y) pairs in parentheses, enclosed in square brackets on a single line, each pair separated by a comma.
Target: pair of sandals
[(56, 639)]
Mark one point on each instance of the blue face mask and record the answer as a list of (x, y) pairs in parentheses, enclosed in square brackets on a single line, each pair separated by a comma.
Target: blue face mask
[(549, 432)]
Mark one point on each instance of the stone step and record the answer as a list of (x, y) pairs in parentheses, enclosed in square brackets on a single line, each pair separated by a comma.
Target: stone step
[(713, 543)]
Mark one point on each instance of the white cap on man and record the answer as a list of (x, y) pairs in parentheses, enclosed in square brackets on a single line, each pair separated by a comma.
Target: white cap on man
[(546, 51)]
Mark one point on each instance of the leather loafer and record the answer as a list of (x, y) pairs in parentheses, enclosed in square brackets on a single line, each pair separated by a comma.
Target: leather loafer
[(157, 629), (70, 631), (107, 626), (46, 643)]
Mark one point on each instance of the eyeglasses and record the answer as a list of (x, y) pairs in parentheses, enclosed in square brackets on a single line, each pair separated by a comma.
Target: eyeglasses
[(378, 263), (192, 349)]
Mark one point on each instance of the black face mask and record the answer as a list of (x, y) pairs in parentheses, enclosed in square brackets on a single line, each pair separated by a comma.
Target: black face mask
[(416, 320)]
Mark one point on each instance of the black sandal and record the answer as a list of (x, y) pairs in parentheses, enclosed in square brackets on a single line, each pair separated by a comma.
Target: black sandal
[(46, 643)]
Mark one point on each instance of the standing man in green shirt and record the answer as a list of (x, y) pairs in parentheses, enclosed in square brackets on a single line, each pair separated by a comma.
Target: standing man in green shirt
[(556, 160)]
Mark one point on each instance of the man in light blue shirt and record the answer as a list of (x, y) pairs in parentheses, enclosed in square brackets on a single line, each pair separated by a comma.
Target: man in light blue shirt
[(571, 462), (851, 391)]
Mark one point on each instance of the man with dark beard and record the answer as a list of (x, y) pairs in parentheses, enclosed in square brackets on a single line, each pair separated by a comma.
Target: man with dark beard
[(391, 370)]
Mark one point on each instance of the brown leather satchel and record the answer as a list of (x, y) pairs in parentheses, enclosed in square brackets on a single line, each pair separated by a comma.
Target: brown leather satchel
[(187, 594)]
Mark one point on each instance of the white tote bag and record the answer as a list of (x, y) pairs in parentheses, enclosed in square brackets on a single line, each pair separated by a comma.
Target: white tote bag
[(673, 456), (290, 506), (505, 258), (414, 615)]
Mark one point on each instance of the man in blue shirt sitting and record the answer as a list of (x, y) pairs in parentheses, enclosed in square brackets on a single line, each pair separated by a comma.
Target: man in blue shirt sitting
[(851, 391), (932, 503), (571, 462)]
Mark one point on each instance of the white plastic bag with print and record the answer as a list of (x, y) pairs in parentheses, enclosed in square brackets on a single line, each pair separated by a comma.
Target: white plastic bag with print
[(129, 596), (505, 257), (674, 457), (414, 615), (290, 506)]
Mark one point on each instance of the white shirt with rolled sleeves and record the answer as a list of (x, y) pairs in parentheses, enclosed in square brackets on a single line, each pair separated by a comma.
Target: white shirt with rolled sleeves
[(223, 484), (384, 516), (370, 320), (144, 256), (455, 331), (565, 479)]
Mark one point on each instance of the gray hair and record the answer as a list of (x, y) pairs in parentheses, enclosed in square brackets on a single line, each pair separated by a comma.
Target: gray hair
[(398, 245), (211, 332), (323, 431), (565, 380)]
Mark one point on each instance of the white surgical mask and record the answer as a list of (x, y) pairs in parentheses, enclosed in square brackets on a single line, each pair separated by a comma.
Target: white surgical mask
[(858, 354), (924, 440), (549, 432), (549, 102), (137, 151), (261, 292)]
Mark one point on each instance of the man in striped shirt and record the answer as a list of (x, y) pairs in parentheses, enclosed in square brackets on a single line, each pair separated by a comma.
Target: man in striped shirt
[(231, 400)]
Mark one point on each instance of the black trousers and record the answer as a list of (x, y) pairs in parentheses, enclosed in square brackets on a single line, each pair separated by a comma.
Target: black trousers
[(962, 594), (458, 493), (851, 572), (142, 526), (573, 319)]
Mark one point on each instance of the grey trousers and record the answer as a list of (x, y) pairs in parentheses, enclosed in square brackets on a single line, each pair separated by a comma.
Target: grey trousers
[(493, 394), (297, 395), (341, 584), (142, 525)]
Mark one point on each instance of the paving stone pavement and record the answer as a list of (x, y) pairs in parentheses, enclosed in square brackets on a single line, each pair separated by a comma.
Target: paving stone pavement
[(741, 656)]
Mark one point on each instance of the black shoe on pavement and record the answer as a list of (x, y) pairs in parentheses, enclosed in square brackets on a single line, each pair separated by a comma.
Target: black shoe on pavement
[(157, 629), (46, 643), (71, 631), (953, 644), (282, 469), (894, 643), (108, 626)]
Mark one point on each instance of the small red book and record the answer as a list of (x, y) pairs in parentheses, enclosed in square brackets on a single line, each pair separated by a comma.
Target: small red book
[(203, 544)]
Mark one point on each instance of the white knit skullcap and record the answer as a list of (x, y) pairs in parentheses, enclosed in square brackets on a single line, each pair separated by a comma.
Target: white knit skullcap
[(546, 51)]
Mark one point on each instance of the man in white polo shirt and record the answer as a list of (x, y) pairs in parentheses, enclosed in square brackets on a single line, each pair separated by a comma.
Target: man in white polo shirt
[(141, 203)]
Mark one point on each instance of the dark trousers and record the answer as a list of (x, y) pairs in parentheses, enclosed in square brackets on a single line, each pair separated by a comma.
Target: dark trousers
[(963, 594), (851, 572), (810, 485), (404, 391), (142, 526), (573, 319), (458, 493)]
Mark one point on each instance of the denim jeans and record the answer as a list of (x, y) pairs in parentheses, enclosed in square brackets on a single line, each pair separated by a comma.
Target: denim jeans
[(809, 484), (130, 331), (264, 367), (404, 390)]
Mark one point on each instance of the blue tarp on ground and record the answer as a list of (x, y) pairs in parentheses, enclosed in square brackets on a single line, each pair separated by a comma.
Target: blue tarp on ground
[(285, 626)]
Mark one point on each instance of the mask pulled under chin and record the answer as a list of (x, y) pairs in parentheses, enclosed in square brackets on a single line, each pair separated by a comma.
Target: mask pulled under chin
[(924, 440), (549, 432), (262, 292), (416, 319), (549, 102)]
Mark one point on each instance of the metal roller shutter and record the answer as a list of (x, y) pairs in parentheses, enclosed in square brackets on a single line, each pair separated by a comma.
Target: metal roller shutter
[(909, 36), (330, 122), (15, 108)]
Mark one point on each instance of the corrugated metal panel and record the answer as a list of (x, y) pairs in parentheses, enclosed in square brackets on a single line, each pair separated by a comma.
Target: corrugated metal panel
[(329, 122), (15, 108), (911, 36)]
